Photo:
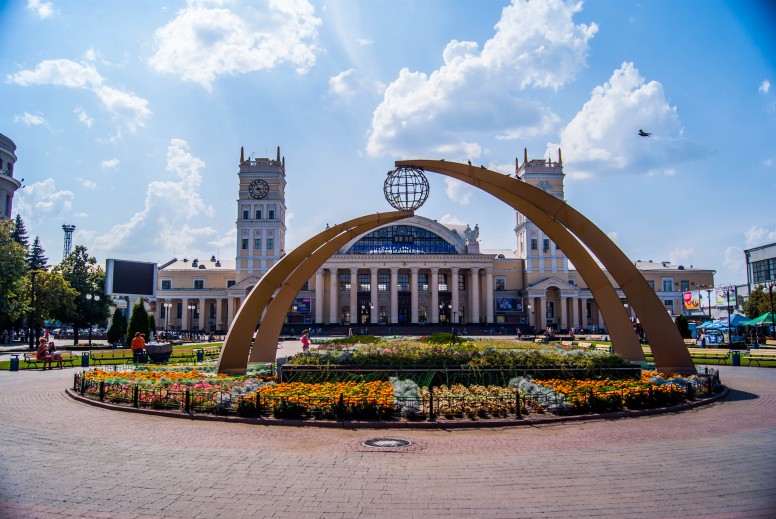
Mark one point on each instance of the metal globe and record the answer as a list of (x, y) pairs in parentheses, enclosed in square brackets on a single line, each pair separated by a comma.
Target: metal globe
[(406, 188)]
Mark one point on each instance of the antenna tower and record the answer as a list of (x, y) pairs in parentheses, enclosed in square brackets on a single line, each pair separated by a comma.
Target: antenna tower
[(68, 239)]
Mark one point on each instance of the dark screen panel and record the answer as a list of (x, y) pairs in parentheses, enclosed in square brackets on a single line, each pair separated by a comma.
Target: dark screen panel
[(133, 278)]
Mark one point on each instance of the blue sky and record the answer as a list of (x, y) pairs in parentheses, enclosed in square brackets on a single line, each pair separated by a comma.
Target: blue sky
[(129, 116)]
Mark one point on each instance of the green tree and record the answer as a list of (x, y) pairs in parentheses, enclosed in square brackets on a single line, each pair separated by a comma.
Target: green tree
[(36, 256), (683, 326), (20, 232), (13, 267), (758, 303), (118, 327), (138, 321), (152, 323), (54, 298), (87, 278)]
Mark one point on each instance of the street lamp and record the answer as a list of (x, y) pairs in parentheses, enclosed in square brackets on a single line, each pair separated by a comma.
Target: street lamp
[(191, 308), (90, 298), (709, 289), (167, 307), (773, 319), (727, 307)]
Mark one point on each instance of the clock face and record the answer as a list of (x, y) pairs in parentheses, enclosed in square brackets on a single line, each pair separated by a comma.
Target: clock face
[(258, 189)]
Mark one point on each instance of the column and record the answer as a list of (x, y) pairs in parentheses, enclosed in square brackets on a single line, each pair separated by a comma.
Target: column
[(434, 296), (474, 293), (601, 322), (453, 285), (489, 295), (202, 314), (414, 295), (219, 314), (575, 320), (184, 314), (531, 312), (353, 296), (229, 311), (374, 292), (319, 295), (333, 296), (394, 295), (563, 302), (541, 314)]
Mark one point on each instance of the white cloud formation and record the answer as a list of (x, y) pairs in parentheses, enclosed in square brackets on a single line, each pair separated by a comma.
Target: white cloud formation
[(764, 87), (88, 184), (168, 209), (478, 93), (457, 191), (41, 201), (449, 219), (680, 256), (603, 137), (364, 41), (42, 9), (83, 117), (109, 164), (768, 163), (29, 119), (734, 261), (125, 108), (756, 236), (613, 236), (348, 84), (206, 40)]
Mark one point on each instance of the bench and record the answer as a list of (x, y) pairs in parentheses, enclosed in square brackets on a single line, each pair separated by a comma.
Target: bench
[(768, 344), (758, 355), (99, 356), (647, 351), (690, 342), (566, 345), (32, 361), (720, 354), (211, 353), (585, 345), (187, 354), (606, 348)]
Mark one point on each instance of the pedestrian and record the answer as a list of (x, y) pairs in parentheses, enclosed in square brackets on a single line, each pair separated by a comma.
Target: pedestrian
[(55, 355), (350, 332), (305, 342), (137, 346)]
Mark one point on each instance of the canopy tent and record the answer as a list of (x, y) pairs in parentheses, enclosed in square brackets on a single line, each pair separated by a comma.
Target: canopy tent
[(764, 320), (738, 320)]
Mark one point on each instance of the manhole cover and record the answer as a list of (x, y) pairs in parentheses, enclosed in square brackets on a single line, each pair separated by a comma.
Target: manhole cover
[(386, 443)]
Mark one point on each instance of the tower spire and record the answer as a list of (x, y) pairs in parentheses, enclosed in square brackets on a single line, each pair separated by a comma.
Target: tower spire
[(560, 157), (242, 154), (525, 155), (278, 157)]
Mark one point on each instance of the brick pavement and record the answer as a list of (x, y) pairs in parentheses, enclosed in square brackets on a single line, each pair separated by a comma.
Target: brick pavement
[(60, 458)]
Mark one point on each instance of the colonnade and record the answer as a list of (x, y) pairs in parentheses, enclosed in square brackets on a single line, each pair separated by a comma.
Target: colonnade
[(201, 318)]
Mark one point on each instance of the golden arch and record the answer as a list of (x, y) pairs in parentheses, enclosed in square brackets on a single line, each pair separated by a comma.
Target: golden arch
[(668, 348), (234, 354)]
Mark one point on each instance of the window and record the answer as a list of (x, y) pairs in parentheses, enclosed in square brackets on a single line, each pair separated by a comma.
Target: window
[(442, 281), (501, 284), (685, 284), (404, 282), (230, 283), (271, 214), (364, 282), (461, 282), (383, 282), (533, 243), (178, 310), (669, 303), (212, 310), (651, 284), (550, 306), (258, 214), (345, 282), (668, 285), (199, 284), (245, 215), (166, 284), (572, 282), (163, 312), (257, 243), (270, 243), (422, 284), (546, 245), (764, 270), (244, 244)]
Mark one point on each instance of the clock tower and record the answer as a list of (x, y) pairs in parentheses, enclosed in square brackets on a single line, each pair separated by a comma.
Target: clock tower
[(539, 252), (261, 215)]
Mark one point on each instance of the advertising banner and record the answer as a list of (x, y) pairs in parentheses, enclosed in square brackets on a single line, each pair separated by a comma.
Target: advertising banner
[(301, 305), (691, 300), (508, 304), (726, 297)]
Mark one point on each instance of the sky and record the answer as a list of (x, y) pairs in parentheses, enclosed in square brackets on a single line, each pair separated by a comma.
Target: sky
[(129, 116)]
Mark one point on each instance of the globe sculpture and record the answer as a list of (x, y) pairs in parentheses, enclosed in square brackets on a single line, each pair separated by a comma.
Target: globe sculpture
[(406, 188)]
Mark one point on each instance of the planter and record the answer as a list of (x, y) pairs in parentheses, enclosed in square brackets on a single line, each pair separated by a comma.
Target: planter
[(158, 353)]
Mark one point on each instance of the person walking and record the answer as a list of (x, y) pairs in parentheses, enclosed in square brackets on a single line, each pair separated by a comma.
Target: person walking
[(305, 342), (137, 346)]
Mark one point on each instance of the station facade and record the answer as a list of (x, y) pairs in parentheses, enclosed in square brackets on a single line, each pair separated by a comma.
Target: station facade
[(414, 272)]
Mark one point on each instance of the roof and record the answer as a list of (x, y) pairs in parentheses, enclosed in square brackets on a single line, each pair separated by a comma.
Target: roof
[(196, 264), (665, 265)]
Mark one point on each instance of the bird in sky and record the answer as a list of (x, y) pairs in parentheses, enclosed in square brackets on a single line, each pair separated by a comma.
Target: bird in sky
[(642, 133)]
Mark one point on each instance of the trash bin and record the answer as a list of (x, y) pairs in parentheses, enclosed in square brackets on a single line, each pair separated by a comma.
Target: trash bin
[(14, 363), (736, 358), (85, 359), (200, 355)]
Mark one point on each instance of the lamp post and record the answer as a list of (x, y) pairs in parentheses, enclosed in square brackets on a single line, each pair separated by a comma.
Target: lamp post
[(708, 289), (773, 319), (167, 307), (91, 297), (191, 308), (32, 325), (727, 307)]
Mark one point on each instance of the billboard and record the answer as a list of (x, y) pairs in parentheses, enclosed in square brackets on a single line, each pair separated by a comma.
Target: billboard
[(508, 304), (691, 300), (130, 278), (301, 305)]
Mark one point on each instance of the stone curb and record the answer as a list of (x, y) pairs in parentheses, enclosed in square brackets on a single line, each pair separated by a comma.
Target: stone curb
[(444, 425)]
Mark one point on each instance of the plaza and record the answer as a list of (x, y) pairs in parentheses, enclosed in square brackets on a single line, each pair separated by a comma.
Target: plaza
[(70, 459)]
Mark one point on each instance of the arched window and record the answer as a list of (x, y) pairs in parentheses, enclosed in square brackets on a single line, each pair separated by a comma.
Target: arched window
[(402, 239)]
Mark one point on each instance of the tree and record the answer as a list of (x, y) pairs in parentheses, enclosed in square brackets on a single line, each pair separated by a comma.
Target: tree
[(138, 321), (13, 305), (87, 278), (152, 323), (118, 327), (53, 298), (36, 256), (758, 303), (20, 232), (683, 326)]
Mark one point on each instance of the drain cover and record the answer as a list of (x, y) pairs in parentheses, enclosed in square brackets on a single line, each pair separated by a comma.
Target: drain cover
[(386, 443)]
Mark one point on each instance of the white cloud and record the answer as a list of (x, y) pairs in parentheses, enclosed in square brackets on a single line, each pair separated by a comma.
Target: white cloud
[(756, 236), (475, 93), (734, 260), (125, 108), (88, 184), (207, 40), (613, 236), (364, 41), (167, 212), (768, 163), (449, 219), (603, 137), (458, 191), (348, 84), (764, 87), (41, 201), (83, 117), (29, 119), (680, 256), (42, 9), (109, 164)]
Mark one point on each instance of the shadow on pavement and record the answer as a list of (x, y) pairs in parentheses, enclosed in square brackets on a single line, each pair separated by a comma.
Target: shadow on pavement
[(736, 395)]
